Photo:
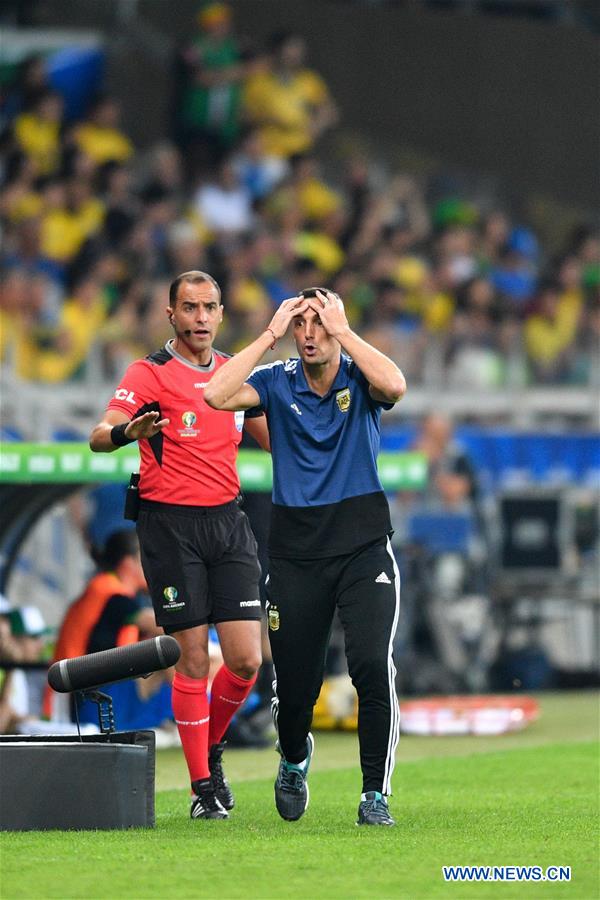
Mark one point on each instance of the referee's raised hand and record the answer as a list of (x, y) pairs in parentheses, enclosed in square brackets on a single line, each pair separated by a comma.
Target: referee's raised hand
[(145, 426), (115, 430)]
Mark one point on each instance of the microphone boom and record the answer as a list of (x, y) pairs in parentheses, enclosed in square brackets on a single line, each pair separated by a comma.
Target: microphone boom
[(132, 661)]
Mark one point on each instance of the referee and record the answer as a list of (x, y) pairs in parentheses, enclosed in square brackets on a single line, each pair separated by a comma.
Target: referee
[(329, 541), (198, 551)]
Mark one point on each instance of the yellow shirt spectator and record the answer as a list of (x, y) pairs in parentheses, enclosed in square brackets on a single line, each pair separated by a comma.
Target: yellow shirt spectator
[(316, 200), (6, 333), (311, 197), (435, 308), (550, 332), (40, 141), (282, 109), (23, 205), (63, 233), (103, 144), (247, 294), (90, 215), (326, 253), (81, 319)]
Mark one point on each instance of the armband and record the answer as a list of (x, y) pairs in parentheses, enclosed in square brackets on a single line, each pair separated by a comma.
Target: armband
[(117, 435)]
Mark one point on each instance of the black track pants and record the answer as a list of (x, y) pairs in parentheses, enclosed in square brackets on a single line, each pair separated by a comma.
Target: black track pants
[(302, 597)]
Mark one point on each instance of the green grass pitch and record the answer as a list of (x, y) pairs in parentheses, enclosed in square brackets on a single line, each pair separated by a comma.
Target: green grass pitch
[(520, 799)]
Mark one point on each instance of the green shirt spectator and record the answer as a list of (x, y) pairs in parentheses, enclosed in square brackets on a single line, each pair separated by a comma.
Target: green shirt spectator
[(211, 93)]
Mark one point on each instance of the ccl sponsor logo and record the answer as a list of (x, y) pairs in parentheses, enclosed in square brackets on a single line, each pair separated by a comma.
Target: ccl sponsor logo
[(124, 394)]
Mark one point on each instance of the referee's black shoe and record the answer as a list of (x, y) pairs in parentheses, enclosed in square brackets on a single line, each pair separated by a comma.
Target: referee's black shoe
[(220, 783), (204, 801), (291, 789), (373, 810)]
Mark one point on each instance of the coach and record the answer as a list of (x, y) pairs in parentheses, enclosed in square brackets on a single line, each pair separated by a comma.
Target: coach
[(329, 540)]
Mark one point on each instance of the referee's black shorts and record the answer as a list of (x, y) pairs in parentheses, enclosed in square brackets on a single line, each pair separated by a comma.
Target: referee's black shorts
[(200, 563)]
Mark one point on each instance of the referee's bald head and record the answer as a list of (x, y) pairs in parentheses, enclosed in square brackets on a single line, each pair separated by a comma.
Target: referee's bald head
[(195, 276)]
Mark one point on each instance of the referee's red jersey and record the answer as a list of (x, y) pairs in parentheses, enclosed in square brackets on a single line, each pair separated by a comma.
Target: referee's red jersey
[(191, 462)]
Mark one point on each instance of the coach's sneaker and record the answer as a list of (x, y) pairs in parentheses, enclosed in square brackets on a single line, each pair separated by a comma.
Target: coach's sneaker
[(291, 789), (220, 783), (204, 801), (373, 810)]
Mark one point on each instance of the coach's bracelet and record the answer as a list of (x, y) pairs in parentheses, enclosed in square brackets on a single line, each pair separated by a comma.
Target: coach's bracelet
[(118, 437), (274, 337)]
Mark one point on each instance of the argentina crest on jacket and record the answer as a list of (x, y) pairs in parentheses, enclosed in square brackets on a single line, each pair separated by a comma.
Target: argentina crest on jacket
[(343, 399)]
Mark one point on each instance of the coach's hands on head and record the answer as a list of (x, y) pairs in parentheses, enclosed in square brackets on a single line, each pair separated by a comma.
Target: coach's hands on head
[(331, 312), (279, 324), (145, 426)]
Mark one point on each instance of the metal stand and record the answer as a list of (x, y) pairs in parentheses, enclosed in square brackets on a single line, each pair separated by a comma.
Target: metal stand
[(106, 716)]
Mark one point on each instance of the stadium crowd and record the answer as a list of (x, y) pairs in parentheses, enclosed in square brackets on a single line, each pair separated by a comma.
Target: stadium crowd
[(92, 229)]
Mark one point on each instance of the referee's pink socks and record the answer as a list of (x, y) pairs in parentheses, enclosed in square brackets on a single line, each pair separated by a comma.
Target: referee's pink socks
[(190, 708), (228, 692)]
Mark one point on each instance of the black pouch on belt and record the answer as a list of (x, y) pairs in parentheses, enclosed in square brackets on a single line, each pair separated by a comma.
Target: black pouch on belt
[(132, 498)]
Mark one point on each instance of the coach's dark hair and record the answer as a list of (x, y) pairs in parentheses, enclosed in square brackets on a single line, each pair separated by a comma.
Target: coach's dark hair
[(193, 277), (312, 292)]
